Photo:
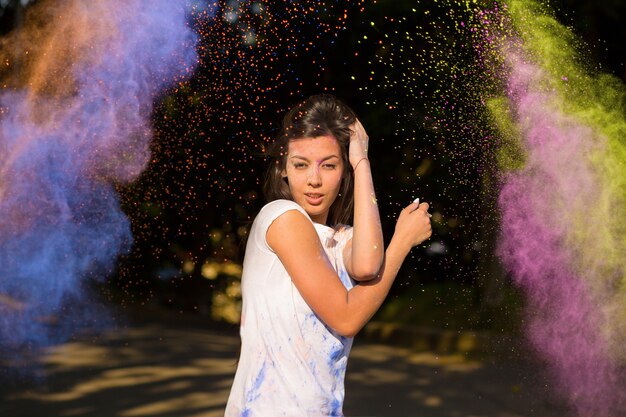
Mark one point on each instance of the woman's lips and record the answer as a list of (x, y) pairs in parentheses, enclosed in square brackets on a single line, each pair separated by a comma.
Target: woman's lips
[(314, 198)]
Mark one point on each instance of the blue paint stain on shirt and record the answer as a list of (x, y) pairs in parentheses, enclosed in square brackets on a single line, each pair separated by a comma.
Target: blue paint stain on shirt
[(336, 409), (346, 280), (336, 353), (253, 393)]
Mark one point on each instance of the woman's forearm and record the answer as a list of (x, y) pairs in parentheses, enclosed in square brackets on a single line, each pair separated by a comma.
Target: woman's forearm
[(367, 238), (362, 301), (365, 299)]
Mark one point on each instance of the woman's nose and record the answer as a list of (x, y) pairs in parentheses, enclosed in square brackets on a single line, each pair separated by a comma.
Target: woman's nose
[(314, 177)]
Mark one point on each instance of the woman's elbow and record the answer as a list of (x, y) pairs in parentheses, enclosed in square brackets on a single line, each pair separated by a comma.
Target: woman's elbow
[(347, 329), (367, 272)]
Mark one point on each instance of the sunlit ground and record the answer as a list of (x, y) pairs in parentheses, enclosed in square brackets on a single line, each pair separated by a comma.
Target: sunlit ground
[(180, 366)]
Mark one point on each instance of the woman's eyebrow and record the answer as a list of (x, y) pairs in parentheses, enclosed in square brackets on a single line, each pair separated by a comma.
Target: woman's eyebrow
[(319, 160)]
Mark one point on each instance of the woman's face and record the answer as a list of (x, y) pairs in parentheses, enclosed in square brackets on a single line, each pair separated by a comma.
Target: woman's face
[(314, 168)]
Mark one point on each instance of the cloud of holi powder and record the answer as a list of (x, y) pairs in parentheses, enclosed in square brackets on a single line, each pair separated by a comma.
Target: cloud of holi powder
[(563, 228), (75, 113)]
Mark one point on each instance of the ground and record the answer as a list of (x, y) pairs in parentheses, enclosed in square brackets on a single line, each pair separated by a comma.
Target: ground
[(175, 365)]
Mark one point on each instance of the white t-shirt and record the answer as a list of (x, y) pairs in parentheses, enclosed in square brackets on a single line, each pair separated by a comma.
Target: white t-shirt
[(291, 363)]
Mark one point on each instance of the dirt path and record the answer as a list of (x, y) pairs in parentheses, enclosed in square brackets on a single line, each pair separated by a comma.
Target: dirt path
[(182, 367)]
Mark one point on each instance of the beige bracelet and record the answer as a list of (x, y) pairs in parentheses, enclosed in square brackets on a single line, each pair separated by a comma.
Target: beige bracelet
[(357, 164)]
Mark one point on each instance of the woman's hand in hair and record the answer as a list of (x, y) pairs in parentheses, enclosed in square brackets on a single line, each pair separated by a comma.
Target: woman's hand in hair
[(358, 143)]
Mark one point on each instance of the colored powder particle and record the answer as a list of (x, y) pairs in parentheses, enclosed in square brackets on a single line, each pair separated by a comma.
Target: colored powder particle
[(74, 120)]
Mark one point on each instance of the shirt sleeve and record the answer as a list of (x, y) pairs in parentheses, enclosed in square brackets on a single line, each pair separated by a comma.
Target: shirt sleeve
[(342, 236), (270, 212)]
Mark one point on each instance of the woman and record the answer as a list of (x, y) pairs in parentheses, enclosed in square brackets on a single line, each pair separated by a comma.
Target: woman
[(310, 282)]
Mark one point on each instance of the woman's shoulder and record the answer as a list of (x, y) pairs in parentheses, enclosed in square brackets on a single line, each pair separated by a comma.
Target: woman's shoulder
[(281, 202), (266, 217), (280, 206), (274, 209)]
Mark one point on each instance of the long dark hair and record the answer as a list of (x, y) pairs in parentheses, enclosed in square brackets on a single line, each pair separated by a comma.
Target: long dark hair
[(318, 115)]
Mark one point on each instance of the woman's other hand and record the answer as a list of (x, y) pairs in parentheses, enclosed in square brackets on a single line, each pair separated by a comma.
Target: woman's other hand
[(413, 225)]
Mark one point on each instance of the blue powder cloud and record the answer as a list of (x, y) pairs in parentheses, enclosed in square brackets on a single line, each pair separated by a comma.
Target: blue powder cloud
[(64, 142)]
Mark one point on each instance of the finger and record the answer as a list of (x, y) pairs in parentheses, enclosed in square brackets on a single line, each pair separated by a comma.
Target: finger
[(353, 127), (424, 207), (358, 127), (413, 206)]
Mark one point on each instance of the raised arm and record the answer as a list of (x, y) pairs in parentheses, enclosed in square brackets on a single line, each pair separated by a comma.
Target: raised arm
[(363, 254), (304, 258)]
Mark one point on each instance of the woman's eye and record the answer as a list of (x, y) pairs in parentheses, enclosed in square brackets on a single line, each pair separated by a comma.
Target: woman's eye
[(330, 166), (299, 165)]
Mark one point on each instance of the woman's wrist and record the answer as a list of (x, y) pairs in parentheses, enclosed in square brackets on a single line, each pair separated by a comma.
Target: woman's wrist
[(401, 246), (355, 166)]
